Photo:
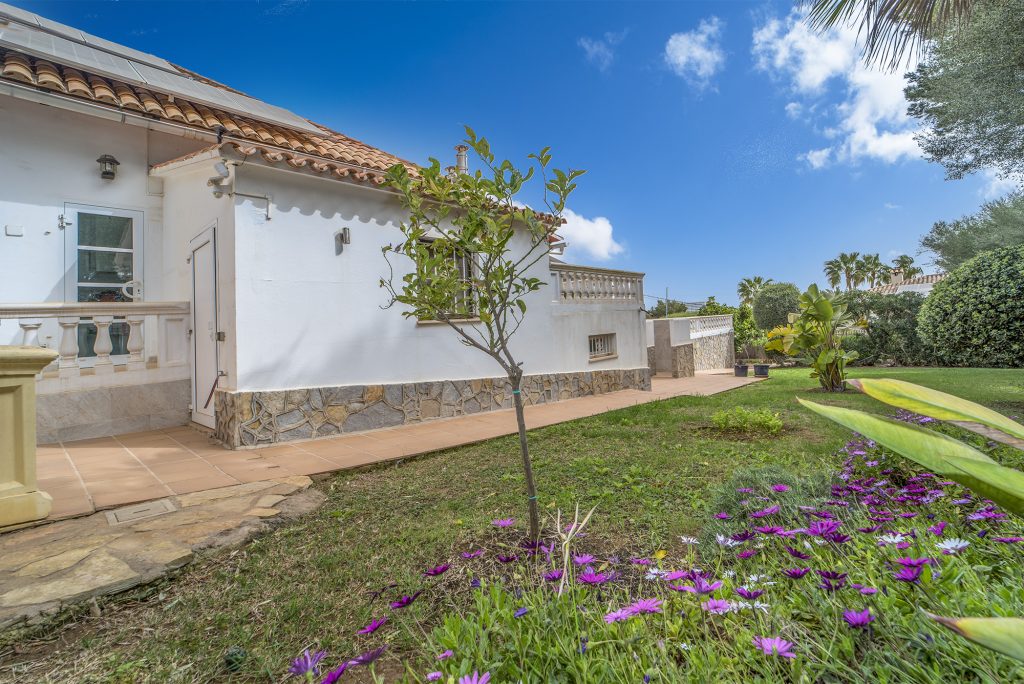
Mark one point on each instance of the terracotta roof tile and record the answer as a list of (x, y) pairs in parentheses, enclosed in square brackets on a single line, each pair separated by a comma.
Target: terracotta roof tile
[(341, 155), (893, 288)]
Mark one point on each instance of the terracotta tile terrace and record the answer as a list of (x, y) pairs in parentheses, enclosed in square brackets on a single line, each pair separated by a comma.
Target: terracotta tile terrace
[(107, 472)]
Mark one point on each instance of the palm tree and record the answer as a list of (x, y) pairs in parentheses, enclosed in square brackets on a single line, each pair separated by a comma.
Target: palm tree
[(749, 287), (905, 263), (849, 263), (890, 29), (834, 273), (875, 272)]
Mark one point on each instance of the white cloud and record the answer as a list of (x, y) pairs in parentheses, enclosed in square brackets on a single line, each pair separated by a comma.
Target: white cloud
[(870, 122), (995, 186), (794, 110), (601, 51), (592, 237), (891, 205), (697, 55)]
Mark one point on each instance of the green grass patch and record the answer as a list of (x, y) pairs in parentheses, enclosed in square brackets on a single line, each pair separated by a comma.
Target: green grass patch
[(650, 470)]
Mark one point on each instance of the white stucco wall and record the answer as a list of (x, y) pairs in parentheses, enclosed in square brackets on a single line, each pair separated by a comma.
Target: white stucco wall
[(48, 158), (308, 317)]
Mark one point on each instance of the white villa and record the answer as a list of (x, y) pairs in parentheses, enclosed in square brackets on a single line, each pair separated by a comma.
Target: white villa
[(195, 254)]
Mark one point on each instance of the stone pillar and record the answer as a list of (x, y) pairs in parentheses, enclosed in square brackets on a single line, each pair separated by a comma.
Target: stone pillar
[(20, 501)]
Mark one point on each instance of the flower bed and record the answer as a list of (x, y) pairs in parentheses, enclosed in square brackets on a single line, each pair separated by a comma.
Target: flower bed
[(782, 585)]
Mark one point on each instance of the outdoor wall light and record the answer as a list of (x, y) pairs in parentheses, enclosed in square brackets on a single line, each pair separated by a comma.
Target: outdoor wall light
[(341, 238), (108, 166)]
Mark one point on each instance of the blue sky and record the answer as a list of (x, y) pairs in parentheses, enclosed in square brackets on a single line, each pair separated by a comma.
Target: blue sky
[(721, 139)]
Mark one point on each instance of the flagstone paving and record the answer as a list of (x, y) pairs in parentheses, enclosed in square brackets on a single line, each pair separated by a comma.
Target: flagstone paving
[(46, 568)]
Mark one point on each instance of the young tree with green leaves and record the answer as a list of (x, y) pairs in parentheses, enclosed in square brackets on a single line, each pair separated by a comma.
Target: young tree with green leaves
[(468, 255)]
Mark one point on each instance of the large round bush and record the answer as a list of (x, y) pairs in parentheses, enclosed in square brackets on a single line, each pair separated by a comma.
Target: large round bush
[(773, 304), (975, 317)]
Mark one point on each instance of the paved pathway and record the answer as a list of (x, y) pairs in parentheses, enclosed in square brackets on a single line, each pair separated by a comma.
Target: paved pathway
[(96, 474)]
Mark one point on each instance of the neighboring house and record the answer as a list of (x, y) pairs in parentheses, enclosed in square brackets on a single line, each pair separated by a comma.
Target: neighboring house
[(225, 268), (922, 284)]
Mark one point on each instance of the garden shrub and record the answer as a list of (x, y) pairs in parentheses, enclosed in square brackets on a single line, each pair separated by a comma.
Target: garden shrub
[(773, 304), (759, 422), (975, 317), (892, 333)]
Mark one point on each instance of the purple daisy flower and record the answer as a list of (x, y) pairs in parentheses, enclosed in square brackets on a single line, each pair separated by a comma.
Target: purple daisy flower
[(820, 528), (771, 530), (405, 601), (744, 536), (765, 512), (583, 559), (520, 612), (334, 675), (438, 570), (780, 488), (445, 655), (640, 561), (644, 606), (797, 554), (908, 574), (858, 620), (913, 562), (369, 656), (504, 522), (722, 515), (475, 678), (796, 573), (472, 554), (434, 676), (749, 594), (307, 663), (700, 586), (774, 646), (592, 578), (745, 490), (618, 616), (716, 606), (374, 625), (749, 553), (553, 576), (1008, 540), (506, 559)]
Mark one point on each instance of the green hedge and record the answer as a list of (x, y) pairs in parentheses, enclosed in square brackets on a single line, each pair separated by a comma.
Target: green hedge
[(891, 336), (975, 317), (773, 304)]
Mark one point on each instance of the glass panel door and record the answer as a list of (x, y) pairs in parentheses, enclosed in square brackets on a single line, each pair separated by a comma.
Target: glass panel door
[(104, 249)]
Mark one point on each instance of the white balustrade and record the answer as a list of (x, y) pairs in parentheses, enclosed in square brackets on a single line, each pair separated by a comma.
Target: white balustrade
[(705, 326), (585, 285), (168, 320)]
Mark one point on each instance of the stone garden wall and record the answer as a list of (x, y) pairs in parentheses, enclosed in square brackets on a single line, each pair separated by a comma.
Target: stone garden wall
[(714, 351), (256, 418)]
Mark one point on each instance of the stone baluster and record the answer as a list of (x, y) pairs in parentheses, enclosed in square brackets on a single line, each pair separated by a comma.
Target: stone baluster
[(30, 331), (135, 343), (103, 345), (67, 363)]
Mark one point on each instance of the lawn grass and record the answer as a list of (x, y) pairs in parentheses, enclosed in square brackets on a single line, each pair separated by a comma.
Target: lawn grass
[(648, 469)]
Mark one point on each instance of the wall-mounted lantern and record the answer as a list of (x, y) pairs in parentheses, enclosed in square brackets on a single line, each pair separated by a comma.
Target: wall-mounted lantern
[(341, 238), (108, 166)]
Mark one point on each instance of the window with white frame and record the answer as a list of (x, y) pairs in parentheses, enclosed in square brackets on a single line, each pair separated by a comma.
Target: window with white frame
[(602, 346)]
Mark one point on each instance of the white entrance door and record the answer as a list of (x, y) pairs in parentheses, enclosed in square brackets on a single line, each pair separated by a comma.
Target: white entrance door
[(203, 248)]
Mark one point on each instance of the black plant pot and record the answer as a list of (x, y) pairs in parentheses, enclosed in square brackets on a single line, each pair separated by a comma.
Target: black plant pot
[(760, 370), (741, 370)]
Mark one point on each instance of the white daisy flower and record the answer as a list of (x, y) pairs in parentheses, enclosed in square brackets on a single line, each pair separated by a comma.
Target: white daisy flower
[(690, 541), (953, 545)]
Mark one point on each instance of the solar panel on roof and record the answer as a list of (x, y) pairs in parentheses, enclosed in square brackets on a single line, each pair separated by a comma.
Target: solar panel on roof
[(46, 39)]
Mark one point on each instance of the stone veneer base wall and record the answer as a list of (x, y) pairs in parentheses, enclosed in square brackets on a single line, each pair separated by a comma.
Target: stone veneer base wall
[(268, 417)]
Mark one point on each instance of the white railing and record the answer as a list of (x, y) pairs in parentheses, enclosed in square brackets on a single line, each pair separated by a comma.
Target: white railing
[(164, 345), (705, 326), (586, 285)]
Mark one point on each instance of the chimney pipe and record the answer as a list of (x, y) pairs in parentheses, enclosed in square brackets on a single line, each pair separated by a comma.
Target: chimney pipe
[(897, 277), (461, 160)]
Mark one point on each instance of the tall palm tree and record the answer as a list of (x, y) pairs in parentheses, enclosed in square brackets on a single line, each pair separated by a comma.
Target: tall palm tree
[(890, 29), (905, 263), (849, 263), (749, 287), (834, 273), (875, 272)]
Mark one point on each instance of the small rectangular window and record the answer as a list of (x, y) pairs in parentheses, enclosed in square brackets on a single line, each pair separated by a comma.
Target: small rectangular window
[(602, 346), (464, 304)]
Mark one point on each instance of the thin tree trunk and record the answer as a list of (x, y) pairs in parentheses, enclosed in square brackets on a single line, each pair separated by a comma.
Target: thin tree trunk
[(531, 489)]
